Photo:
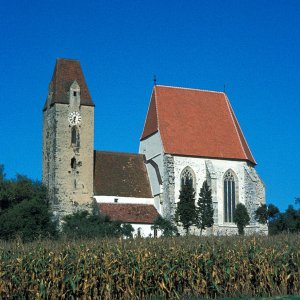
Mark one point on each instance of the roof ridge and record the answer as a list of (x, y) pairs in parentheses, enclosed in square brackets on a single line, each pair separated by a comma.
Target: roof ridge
[(227, 104), (158, 127), (153, 91), (117, 152), (71, 59), (151, 120), (192, 89), (118, 203), (237, 132)]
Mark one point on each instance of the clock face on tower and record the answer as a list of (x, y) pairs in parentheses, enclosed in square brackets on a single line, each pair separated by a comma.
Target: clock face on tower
[(74, 118)]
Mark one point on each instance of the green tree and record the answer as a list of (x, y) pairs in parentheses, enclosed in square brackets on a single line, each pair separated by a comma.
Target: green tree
[(24, 209), (288, 221), (84, 225), (166, 226), (21, 188), (241, 217), (186, 209), (3, 188), (204, 210), (127, 230), (29, 220), (2, 174), (278, 225), (266, 213), (292, 219)]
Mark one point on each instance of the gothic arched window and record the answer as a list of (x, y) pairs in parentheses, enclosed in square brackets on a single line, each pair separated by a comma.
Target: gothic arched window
[(75, 138), (230, 195), (188, 177)]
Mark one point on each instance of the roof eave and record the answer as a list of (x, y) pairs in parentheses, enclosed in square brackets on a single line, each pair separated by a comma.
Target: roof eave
[(212, 157), (149, 135)]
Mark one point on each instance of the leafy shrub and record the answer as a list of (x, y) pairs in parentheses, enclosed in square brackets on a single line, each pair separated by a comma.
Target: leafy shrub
[(166, 226), (84, 225), (241, 217)]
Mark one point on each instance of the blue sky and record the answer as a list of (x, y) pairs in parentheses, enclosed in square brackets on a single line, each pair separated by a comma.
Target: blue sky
[(252, 47)]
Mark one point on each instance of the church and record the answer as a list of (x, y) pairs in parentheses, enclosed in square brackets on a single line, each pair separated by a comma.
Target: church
[(189, 134)]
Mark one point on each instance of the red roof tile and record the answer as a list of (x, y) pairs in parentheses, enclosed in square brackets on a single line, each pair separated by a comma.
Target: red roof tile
[(120, 174), (66, 71), (129, 213), (151, 124), (196, 123)]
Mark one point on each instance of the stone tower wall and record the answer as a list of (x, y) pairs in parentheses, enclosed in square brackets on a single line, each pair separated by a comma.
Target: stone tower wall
[(169, 206), (70, 188)]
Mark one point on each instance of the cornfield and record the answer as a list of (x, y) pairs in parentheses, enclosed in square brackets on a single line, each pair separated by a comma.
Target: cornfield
[(174, 268)]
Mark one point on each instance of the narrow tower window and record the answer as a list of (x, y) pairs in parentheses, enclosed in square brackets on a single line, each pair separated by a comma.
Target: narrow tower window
[(229, 196), (75, 138), (73, 163)]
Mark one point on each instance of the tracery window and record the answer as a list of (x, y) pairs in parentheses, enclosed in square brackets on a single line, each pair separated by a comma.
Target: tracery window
[(188, 177), (230, 195)]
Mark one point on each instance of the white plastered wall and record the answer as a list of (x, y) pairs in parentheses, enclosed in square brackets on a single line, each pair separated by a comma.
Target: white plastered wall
[(152, 148), (145, 230), (198, 165), (117, 199)]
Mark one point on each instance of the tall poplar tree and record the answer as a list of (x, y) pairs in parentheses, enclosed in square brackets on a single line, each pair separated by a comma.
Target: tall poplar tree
[(205, 211), (186, 208)]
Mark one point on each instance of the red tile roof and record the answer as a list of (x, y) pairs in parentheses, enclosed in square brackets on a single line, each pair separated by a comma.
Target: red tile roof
[(120, 174), (66, 71), (196, 123), (129, 213)]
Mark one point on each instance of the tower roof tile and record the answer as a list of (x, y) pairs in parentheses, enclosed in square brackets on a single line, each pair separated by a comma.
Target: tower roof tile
[(66, 71)]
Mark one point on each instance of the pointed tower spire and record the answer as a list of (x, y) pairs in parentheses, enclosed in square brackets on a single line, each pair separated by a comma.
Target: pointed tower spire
[(65, 73)]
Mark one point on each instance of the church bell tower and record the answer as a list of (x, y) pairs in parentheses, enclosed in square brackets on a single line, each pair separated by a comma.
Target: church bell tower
[(68, 140)]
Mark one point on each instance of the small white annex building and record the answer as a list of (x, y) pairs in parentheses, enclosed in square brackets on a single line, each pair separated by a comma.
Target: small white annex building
[(122, 190)]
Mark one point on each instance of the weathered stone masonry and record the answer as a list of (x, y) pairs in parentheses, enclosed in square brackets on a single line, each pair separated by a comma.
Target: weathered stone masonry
[(169, 205)]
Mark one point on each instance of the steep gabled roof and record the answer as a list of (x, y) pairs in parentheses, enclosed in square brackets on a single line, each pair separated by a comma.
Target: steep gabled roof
[(120, 174), (66, 71), (129, 213), (196, 123)]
